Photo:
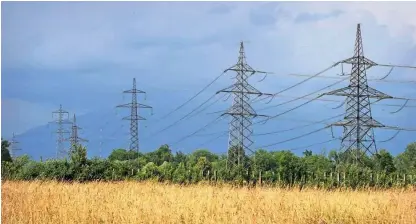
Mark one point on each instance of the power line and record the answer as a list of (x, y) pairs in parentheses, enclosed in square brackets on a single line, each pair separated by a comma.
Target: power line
[(294, 138), (314, 144), (201, 129), (193, 97), (339, 101), (208, 106), (297, 98), (297, 127), (333, 139), (182, 118), (373, 79), (213, 139), (303, 81), (301, 97)]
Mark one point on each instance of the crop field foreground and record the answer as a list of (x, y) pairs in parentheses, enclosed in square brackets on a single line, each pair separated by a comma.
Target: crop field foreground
[(138, 202)]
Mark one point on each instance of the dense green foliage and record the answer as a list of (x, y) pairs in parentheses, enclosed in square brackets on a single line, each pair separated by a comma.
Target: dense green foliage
[(5, 154), (282, 168)]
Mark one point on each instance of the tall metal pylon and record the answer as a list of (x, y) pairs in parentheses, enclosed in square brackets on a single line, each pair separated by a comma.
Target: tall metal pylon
[(358, 123), (134, 115), (241, 112), (13, 146), (61, 131), (75, 139)]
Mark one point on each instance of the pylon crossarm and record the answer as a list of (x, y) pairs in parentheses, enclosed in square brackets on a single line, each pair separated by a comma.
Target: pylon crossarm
[(362, 60), (134, 118), (134, 91), (60, 122), (139, 105)]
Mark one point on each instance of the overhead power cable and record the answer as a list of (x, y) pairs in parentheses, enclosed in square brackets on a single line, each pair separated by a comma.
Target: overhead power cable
[(193, 97), (333, 139), (297, 98), (373, 79), (201, 129), (301, 97), (332, 100), (294, 138), (299, 83), (212, 139), (314, 144), (182, 118), (208, 106), (300, 126)]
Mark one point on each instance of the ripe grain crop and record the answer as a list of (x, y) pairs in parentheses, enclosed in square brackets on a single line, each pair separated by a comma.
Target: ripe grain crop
[(134, 202)]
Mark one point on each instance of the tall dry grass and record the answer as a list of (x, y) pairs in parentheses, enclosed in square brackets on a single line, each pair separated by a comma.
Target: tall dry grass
[(132, 202)]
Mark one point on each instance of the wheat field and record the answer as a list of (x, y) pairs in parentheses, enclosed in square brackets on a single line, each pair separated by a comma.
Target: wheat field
[(133, 202)]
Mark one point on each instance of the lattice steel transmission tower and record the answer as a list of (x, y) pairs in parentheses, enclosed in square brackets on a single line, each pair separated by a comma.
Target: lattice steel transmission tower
[(134, 115), (62, 119), (13, 146), (358, 123), (75, 139), (241, 112)]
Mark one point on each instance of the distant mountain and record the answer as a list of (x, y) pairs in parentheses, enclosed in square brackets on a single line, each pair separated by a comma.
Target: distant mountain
[(105, 131)]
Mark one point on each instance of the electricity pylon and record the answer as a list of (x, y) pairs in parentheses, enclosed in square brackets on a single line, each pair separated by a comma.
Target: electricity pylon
[(134, 116), (358, 123), (60, 148), (241, 112), (75, 139), (13, 146)]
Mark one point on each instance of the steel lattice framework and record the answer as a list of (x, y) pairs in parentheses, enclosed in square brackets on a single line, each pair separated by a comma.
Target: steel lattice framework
[(13, 146), (75, 139), (60, 121), (134, 116), (241, 111), (358, 123)]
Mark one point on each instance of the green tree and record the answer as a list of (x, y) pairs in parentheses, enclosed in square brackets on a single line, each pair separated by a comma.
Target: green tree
[(307, 153), (179, 175), (122, 155), (211, 157), (78, 155), (384, 162), (5, 154), (263, 161), (180, 157), (150, 170), (164, 153), (406, 161), (166, 171)]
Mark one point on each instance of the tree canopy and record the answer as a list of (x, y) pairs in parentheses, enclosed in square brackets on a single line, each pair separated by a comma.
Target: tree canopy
[(334, 169)]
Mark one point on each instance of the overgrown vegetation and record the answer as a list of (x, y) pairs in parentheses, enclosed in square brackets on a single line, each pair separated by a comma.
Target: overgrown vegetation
[(281, 168)]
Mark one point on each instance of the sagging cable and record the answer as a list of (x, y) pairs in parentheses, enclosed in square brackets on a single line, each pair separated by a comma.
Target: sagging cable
[(392, 136), (229, 95), (401, 108), (387, 74), (342, 104), (263, 77)]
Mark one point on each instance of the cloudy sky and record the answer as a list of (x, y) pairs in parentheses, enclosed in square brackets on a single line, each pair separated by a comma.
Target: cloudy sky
[(83, 54)]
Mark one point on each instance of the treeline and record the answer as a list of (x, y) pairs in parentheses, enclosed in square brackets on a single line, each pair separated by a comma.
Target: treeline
[(279, 168)]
